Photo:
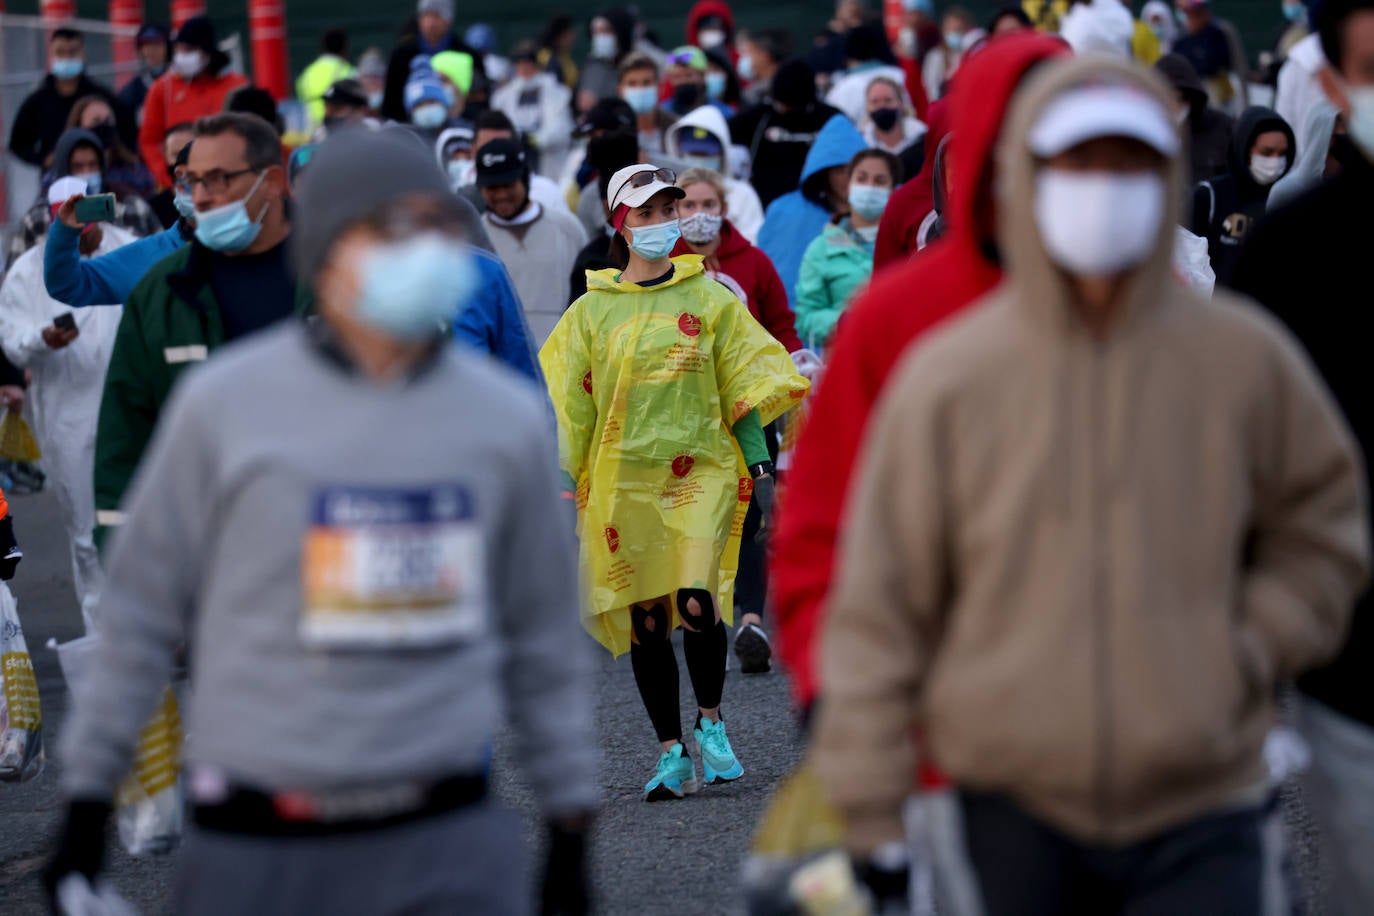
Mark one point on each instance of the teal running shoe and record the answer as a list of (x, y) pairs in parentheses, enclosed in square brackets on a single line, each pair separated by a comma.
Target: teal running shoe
[(675, 777), (717, 757)]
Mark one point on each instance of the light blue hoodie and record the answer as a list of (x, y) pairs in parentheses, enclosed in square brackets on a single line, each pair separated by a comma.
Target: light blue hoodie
[(793, 220)]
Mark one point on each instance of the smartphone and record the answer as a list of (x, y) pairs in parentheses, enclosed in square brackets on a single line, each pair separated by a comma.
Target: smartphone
[(98, 208), (66, 321)]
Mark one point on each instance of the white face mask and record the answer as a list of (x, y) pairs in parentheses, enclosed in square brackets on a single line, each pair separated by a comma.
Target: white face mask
[(700, 228), (1096, 224), (462, 172), (710, 38), (1361, 126), (188, 63), (604, 46), (906, 41), (1267, 169)]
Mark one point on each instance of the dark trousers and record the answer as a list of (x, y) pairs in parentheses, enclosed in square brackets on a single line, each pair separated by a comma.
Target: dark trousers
[(751, 582), (993, 858)]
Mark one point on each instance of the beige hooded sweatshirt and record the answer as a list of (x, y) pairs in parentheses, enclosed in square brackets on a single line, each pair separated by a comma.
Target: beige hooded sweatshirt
[(1083, 564)]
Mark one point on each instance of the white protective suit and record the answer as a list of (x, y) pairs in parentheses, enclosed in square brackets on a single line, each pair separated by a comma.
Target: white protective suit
[(64, 396), (741, 200), (1300, 88), (541, 108)]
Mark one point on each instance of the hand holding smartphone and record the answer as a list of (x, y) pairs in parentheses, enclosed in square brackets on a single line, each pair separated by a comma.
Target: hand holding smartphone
[(98, 208), (65, 322)]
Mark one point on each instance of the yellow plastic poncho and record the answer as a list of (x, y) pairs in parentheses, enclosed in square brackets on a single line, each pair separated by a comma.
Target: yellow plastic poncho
[(647, 383)]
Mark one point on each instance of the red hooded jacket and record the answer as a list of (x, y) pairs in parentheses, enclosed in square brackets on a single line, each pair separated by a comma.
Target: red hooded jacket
[(902, 304), (705, 8), (752, 270), (914, 199)]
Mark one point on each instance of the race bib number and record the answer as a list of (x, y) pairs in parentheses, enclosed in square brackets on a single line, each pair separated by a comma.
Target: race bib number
[(393, 568)]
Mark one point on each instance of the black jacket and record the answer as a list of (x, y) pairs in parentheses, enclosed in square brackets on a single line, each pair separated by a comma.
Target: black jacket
[(1227, 206), (1308, 263), (1209, 130), (595, 255), (42, 117), (777, 144)]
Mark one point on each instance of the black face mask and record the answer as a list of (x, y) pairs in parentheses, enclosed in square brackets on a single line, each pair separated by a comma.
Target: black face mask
[(885, 118), (105, 133), (688, 96)]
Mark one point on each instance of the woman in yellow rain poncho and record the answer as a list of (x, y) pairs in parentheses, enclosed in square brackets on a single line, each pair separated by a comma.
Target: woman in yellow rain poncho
[(661, 381)]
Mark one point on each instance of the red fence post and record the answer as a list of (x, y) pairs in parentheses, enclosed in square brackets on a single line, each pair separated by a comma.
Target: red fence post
[(125, 14), (267, 31), (185, 9)]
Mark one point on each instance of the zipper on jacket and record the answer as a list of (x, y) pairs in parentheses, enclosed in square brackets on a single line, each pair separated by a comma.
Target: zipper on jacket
[(1102, 670)]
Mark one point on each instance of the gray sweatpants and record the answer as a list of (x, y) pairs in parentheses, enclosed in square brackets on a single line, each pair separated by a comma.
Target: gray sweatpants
[(467, 861)]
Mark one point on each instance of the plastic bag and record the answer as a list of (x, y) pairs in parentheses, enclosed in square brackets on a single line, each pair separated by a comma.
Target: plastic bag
[(21, 715), (76, 897), (796, 863), (149, 802), (17, 442), (1192, 262)]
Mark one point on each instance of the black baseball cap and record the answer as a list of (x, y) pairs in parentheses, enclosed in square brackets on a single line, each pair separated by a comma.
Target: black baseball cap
[(501, 162), (607, 114), (346, 92)]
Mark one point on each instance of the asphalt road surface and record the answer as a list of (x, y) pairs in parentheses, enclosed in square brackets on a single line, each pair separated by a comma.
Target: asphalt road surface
[(679, 857)]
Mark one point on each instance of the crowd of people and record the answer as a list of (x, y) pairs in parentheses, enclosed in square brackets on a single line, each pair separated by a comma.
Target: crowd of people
[(969, 359)]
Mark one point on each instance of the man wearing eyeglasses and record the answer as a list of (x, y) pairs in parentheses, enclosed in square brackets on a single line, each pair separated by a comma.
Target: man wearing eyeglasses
[(231, 280)]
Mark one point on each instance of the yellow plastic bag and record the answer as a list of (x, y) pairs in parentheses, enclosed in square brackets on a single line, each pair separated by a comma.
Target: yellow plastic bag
[(647, 384), (21, 714), (796, 862), (17, 442)]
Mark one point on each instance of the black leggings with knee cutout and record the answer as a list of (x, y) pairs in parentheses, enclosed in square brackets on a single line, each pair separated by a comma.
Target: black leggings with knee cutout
[(655, 665)]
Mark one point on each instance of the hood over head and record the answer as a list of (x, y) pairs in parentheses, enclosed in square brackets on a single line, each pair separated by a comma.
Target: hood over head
[(709, 119), (623, 23), (1038, 284), (68, 141), (705, 8), (450, 140), (1179, 72), (1310, 167), (1163, 13), (979, 102), (199, 32), (836, 144), (1252, 122)]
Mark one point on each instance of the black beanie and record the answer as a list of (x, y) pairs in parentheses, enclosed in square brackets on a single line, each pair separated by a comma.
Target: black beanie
[(794, 85)]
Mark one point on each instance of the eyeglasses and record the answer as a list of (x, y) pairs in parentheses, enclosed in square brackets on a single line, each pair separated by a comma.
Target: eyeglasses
[(216, 181), (644, 179)]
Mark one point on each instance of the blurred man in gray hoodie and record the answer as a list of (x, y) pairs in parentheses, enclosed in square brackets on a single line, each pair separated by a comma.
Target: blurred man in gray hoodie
[(355, 530)]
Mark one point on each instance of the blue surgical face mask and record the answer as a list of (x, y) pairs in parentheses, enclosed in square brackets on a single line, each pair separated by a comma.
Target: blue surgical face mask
[(229, 228), (745, 68), (429, 116), (655, 242), (715, 85), (868, 201), (67, 68), (95, 182), (714, 163), (1294, 12), (185, 205), (641, 99), (410, 288)]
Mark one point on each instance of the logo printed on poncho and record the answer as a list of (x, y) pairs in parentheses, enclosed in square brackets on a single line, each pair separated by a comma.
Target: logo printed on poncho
[(689, 324), (682, 465), (746, 489), (612, 539), (587, 382)]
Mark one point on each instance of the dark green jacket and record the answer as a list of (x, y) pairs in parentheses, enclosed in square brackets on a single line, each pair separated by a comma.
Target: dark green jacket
[(171, 322)]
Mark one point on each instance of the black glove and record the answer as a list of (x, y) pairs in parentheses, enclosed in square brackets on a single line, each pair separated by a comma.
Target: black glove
[(80, 847), (566, 890), (763, 498), (889, 886), (10, 554)]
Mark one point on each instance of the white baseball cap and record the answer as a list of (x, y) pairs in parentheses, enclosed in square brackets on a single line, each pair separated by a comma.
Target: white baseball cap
[(1090, 112), (64, 188), (635, 184)]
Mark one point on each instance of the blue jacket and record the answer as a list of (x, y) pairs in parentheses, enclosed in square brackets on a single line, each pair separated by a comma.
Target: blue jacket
[(793, 220), (494, 322), (108, 279)]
